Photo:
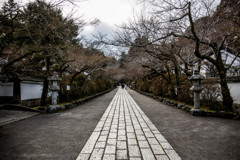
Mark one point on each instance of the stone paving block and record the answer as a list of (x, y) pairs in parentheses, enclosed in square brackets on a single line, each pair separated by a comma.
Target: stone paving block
[(149, 134), (112, 142), (121, 145), (121, 128), (148, 122), (134, 119), (131, 135), (156, 132), (144, 125), (107, 124), (153, 128), (127, 118), (90, 144), (106, 128), (115, 122), (166, 146), (97, 154), (88, 147), (134, 158), (132, 142), (147, 154), (98, 129), (146, 130), (112, 135), (105, 115), (108, 157), (153, 141), (122, 154), (122, 123), (134, 151), (137, 127), (102, 138), (162, 157), (113, 130), (141, 121), (110, 150), (121, 132), (128, 124), (102, 120), (172, 155), (140, 111), (157, 149), (130, 129), (104, 133), (121, 138), (100, 145), (82, 156), (100, 125), (144, 116), (143, 144), (141, 137), (160, 138)]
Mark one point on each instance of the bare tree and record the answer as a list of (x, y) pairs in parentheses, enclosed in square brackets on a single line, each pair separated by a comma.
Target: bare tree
[(198, 23)]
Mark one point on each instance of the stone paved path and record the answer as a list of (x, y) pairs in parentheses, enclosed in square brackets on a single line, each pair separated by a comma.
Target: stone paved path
[(125, 132)]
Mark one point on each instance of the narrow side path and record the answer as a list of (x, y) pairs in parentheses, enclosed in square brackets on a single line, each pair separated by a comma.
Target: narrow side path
[(10, 116), (125, 132)]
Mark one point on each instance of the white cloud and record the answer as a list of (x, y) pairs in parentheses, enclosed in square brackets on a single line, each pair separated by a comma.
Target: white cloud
[(109, 12), (101, 28)]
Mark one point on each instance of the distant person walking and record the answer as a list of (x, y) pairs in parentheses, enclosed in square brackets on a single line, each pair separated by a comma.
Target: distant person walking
[(125, 86)]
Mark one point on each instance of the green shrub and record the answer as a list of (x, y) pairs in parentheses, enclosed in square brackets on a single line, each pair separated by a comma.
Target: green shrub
[(143, 85), (211, 95), (156, 87), (185, 94), (81, 87)]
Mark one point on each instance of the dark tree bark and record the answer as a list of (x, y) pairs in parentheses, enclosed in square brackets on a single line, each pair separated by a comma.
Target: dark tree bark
[(44, 93), (45, 82), (227, 98), (176, 70)]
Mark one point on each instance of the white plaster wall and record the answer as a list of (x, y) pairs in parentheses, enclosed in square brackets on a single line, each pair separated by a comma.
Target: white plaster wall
[(6, 89), (31, 90), (235, 91)]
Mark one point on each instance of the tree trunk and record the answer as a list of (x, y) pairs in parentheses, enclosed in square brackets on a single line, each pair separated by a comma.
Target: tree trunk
[(45, 83), (44, 93), (227, 98), (176, 70), (171, 91)]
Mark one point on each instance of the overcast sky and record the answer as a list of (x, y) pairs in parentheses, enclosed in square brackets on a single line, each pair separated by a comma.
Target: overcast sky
[(109, 12)]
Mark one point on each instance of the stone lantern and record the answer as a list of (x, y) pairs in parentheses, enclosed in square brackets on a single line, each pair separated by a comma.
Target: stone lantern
[(196, 79), (54, 88), (133, 85)]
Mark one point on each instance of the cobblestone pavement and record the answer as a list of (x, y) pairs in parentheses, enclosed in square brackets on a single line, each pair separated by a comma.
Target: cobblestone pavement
[(125, 132)]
